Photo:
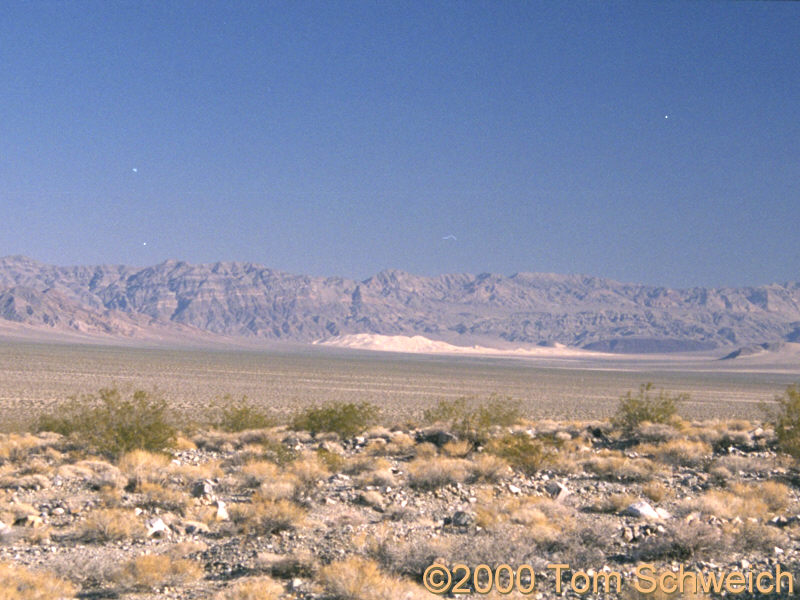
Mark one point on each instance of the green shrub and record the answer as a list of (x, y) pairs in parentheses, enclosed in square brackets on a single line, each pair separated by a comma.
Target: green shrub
[(646, 407), (471, 422), (787, 421), (344, 418), (523, 452), (112, 425), (240, 415)]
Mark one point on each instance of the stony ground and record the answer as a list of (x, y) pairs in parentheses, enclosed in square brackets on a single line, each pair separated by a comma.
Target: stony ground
[(276, 513)]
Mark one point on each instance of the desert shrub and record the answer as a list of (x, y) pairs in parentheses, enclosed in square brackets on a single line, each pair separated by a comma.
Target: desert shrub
[(141, 466), (613, 503), (112, 425), (620, 468), (438, 472), (252, 588), (347, 419), (18, 583), (683, 453), (787, 421), (471, 422), (333, 462), (645, 406), (308, 469), (360, 579), (655, 491), (264, 517), (111, 524), (241, 415), (522, 452), (156, 496), (682, 542), (488, 468), (150, 571)]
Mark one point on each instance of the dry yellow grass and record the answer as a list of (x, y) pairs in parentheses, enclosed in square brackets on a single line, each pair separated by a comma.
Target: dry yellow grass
[(110, 524), (655, 491), (431, 473), (544, 519), (141, 466), (359, 579), (252, 588), (150, 571), (263, 516), (488, 468), (309, 470), (18, 583), (684, 453), (457, 448), (614, 503)]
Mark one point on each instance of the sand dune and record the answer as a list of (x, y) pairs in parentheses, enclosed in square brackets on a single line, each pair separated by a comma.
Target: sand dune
[(418, 344)]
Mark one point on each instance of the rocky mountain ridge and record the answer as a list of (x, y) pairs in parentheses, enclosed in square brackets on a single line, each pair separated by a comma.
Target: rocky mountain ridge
[(245, 300)]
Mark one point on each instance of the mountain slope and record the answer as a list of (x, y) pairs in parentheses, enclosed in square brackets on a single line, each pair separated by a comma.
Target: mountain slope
[(252, 301)]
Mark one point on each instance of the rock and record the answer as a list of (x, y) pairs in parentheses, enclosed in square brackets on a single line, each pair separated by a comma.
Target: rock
[(331, 446), (32, 521), (563, 436), (439, 437), (557, 490), (222, 511), (462, 519), (663, 513), (514, 489), (641, 510), (195, 527), (372, 499), (202, 488), (156, 528)]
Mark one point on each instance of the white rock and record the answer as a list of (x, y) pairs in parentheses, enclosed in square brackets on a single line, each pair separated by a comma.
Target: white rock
[(641, 510), (513, 489), (222, 511), (156, 528)]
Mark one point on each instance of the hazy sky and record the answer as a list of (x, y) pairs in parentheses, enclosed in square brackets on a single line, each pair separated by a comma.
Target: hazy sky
[(654, 142)]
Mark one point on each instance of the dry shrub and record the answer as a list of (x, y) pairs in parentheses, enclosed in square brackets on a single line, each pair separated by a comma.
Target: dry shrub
[(646, 406), (252, 588), (97, 474), (437, 472), (18, 583), (544, 519), (772, 493), (655, 491), (347, 419), (150, 571), (16, 448), (360, 579), (683, 453), (682, 542), (656, 432), (748, 465), (156, 495), (619, 468), (757, 537), (425, 450), (377, 478), (726, 505), (111, 524), (254, 473), (522, 452), (457, 448), (189, 473), (280, 488), (487, 468), (613, 503), (263, 516), (141, 466), (309, 470)]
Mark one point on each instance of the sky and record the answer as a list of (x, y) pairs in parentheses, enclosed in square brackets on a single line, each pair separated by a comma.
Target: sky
[(649, 142)]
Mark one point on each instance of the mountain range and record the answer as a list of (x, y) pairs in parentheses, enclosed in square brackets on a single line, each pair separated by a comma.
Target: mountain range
[(175, 300)]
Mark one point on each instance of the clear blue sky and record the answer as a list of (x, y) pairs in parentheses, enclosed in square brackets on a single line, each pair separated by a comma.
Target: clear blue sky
[(343, 138)]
